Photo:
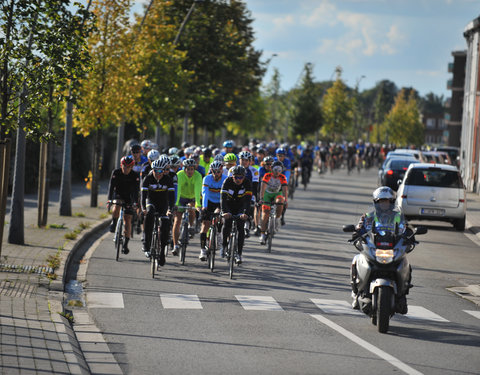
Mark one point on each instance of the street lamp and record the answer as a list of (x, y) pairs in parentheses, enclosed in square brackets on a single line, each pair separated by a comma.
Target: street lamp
[(357, 127)]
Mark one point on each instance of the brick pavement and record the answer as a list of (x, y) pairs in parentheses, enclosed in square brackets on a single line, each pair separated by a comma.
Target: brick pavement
[(34, 337)]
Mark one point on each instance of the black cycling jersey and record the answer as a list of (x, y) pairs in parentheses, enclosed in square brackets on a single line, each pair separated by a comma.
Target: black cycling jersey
[(235, 199), (159, 193), (124, 186)]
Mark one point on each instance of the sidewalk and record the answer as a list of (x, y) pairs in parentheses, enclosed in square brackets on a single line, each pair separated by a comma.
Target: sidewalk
[(35, 338)]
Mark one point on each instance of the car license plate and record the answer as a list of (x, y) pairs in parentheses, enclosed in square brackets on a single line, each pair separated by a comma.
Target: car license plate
[(432, 211)]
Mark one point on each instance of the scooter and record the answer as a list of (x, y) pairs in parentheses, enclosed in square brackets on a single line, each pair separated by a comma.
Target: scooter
[(381, 273)]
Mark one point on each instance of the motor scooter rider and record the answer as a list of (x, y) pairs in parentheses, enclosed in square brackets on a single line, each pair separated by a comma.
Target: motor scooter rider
[(386, 214)]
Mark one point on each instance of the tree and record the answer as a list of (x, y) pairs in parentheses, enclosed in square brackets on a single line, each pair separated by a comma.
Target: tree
[(337, 110), (218, 41), (384, 99), (403, 124), (307, 111), (110, 90), (40, 48)]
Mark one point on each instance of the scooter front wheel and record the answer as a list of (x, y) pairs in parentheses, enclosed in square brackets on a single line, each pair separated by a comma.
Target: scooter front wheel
[(384, 304)]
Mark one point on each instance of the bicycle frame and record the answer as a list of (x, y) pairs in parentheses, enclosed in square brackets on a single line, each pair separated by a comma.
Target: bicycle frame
[(184, 232), (118, 236)]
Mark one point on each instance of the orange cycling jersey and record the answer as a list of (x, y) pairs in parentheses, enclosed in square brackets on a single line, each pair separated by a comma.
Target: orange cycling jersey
[(274, 184)]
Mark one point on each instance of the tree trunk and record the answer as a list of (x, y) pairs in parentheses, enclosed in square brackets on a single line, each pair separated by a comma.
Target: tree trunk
[(42, 185), (66, 184), (95, 167), (120, 141), (16, 231)]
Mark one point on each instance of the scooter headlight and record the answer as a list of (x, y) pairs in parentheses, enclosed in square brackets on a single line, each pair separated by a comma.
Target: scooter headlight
[(384, 256)]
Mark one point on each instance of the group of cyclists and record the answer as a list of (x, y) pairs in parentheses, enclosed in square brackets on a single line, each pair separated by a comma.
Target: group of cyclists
[(234, 181)]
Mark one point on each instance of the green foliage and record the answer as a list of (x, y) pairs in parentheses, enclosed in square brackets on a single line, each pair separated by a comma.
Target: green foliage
[(307, 113)]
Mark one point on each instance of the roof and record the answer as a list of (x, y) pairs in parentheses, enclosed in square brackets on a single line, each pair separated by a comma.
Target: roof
[(446, 167)]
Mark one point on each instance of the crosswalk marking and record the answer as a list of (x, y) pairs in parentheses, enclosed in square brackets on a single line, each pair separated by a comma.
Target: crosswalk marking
[(105, 300), (476, 314), (180, 301), (421, 313), (259, 303), (336, 307)]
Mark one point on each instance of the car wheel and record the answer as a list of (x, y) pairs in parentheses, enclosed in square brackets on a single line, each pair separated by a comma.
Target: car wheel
[(459, 224)]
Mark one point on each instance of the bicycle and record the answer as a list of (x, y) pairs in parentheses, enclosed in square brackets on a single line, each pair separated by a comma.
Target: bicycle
[(155, 247), (118, 236), (232, 247), (212, 244), (184, 235), (291, 185), (270, 232)]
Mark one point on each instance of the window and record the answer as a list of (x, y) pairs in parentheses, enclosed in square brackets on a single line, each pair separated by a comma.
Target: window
[(434, 177), (430, 123)]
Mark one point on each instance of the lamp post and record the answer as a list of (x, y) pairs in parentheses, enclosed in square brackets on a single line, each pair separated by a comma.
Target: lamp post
[(357, 127), (175, 42)]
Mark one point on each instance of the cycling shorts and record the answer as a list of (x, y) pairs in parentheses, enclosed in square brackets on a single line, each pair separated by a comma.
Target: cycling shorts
[(185, 202), (208, 213), (269, 198)]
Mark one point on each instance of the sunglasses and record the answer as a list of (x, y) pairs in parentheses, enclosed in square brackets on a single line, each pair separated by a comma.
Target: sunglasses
[(216, 171), (238, 177), (158, 170)]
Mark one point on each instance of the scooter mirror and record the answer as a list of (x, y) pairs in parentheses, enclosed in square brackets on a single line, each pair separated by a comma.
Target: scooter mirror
[(349, 228), (421, 229)]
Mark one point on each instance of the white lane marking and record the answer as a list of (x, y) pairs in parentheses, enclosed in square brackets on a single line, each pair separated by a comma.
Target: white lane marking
[(366, 345), (105, 300), (180, 301), (421, 313), (336, 307), (259, 303), (474, 313)]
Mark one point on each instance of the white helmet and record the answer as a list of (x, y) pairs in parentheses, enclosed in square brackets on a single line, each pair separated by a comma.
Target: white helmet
[(383, 192), (172, 151), (153, 155), (162, 163)]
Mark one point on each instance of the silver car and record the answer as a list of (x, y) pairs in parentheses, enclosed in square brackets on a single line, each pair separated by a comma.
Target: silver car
[(433, 192)]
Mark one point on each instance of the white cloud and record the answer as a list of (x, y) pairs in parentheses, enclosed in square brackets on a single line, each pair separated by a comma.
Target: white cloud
[(323, 14), (282, 22)]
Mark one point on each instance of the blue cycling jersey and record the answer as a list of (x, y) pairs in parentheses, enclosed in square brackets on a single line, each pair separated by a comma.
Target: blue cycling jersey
[(211, 189), (287, 164)]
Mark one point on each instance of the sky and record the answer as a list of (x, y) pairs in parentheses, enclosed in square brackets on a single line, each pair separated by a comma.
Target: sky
[(409, 42)]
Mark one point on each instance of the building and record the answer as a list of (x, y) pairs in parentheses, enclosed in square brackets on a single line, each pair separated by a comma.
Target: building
[(454, 105), (470, 136)]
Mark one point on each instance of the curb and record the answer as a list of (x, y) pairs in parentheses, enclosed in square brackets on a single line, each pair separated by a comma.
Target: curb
[(70, 249)]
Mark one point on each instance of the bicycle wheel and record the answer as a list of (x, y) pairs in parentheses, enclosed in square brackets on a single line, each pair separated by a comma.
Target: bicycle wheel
[(270, 232), (212, 248), (184, 241), (232, 246), (153, 254), (119, 237)]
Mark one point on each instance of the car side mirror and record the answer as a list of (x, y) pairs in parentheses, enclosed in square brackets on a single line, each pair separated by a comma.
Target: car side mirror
[(421, 229), (399, 182), (349, 228)]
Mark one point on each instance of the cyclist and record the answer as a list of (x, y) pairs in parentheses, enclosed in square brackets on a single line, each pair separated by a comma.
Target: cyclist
[(274, 188), (206, 158), (212, 185), (147, 166), (264, 169), (236, 195), (124, 185), (175, 164), (228, 147), (281, 153), (136, 152), (230, 161), (306, 162), (188, 193), (158, 196)]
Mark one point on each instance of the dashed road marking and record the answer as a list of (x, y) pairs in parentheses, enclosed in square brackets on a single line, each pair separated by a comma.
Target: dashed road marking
[(264, 303), (476, 314), (180, 301), (421, 313), (105, 300), (335, 307)]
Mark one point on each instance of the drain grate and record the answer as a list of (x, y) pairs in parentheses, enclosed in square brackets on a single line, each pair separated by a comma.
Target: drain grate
[(17, 288), (15, 268)]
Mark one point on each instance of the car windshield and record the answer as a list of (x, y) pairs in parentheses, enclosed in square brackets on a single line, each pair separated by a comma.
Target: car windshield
[(434, 177)]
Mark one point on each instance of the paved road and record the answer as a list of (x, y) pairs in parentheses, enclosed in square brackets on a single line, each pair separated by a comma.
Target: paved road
[(288, 312)]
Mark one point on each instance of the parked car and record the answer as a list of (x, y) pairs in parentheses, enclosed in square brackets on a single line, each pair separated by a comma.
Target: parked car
[(453, 152), (407, 151), (394, 170), (436, 157), (433, 192), (389, 157)]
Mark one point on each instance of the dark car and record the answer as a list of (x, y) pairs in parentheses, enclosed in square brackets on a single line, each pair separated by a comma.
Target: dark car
[(394, 170)]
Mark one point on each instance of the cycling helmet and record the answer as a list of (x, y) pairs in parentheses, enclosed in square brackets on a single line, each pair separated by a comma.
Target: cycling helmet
[(207, 152), (281, 151), (153, 155), (277, 167), (189, 150), (218, 157), (135, 148), (154, 146), (261, 151), (146, 143), (173, 151), (230, 157), (161, 164), (175, 161), (216, 165), (127, 161), (229, 144), (268, 160), (245, 155), (189, 163), (185, 144), (384, 192), (238, 171)]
